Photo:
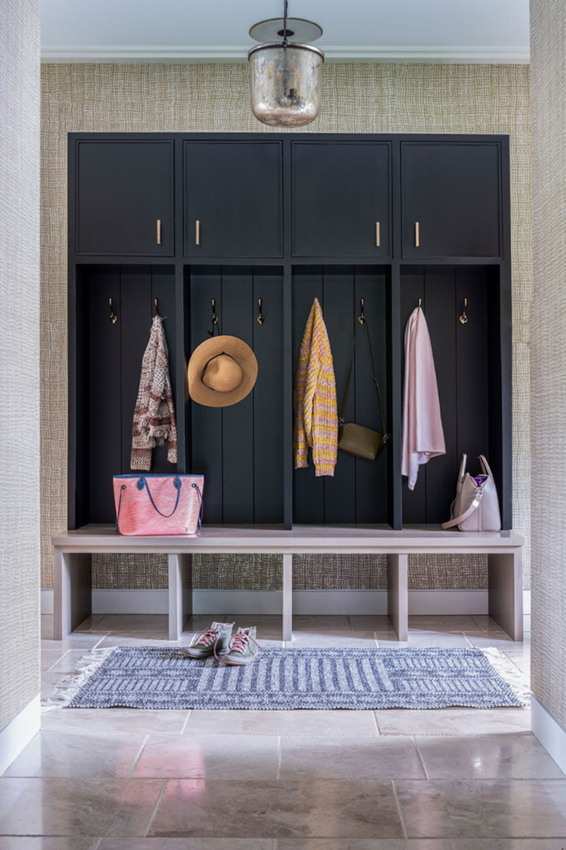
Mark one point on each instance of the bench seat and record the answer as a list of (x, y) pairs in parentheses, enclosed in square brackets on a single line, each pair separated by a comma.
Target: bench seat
[(73, 550)]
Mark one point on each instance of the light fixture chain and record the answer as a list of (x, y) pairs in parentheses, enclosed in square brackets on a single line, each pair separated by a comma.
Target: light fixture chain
[(285, 9)]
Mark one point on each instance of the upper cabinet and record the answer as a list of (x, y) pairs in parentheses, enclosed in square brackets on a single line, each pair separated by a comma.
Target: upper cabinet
[(233, 199), (341, 203), (451, 199), (125, 198)]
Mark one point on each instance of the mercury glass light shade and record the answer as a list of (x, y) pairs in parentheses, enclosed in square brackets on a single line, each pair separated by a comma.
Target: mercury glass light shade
[(285, 83)]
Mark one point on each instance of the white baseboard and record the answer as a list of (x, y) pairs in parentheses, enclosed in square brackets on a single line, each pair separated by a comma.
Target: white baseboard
[(434, 602), (549, 732), (18, 733)]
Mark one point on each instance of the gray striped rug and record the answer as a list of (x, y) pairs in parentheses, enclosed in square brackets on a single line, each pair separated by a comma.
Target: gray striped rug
[(155, 678)]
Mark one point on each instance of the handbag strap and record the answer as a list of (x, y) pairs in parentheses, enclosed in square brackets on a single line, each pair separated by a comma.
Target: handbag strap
[(378, 388), (473, 507)]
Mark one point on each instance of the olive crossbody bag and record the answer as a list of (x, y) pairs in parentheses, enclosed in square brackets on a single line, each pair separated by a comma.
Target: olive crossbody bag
[(356, 439)]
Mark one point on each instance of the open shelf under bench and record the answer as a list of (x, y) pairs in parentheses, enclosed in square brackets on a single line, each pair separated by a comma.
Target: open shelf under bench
[(73, 550)]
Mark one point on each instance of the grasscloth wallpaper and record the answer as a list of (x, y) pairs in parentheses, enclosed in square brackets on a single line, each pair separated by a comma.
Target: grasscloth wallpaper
[(356, 99), (548, 37), (19, 356)]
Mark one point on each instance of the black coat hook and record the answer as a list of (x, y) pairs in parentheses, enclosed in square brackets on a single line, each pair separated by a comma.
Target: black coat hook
[(464, 316), (362, 317), (113, 316), (157, 313), (261, 317), (214, 317)]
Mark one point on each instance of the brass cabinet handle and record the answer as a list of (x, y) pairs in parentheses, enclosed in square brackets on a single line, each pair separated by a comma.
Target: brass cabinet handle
[(417, 235), (377, 235), (197, 233), (159, 231)]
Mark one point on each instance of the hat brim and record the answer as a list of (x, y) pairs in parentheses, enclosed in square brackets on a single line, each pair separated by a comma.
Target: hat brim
[(242, 354)]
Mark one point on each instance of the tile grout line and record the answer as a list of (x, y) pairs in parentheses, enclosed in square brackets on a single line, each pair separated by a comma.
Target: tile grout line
[(378, 730), (186, 721), (421, 759), (405, 835), (50, 669), (279, 758), (157, 802), (137, 758)]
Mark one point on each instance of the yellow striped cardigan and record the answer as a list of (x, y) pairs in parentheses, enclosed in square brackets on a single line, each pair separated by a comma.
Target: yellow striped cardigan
[(316, 413)]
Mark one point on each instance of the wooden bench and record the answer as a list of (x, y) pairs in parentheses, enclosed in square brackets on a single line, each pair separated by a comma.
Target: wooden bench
[(73, 550)]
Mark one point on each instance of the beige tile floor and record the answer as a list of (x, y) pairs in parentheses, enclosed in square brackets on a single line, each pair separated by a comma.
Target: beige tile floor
[(300, 780)]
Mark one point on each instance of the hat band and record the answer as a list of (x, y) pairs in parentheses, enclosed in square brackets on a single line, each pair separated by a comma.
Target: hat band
[(220, 354)]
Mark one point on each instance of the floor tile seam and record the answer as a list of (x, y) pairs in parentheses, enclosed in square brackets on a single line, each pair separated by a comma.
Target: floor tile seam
[(473, 619), (186, 723), (376, 723), (398, 804), (61, 657), (137, 758), (156, 806), (421, 758)]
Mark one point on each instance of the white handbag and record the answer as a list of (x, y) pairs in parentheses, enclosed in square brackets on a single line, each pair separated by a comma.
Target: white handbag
[(476, 506)]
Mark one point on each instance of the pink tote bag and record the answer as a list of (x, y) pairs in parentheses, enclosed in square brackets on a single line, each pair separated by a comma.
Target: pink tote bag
[(162, 505)]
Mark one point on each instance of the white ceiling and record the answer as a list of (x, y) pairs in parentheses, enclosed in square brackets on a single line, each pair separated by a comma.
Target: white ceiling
[(217, 30)]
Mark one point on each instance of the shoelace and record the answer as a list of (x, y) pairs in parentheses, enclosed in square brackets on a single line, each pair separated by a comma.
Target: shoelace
[(207, 637), (240, 641)]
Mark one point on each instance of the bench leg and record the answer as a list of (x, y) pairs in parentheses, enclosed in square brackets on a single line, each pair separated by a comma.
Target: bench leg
[(287, 597), (398, 594), (180, 593), (506, 592), (72, 592)]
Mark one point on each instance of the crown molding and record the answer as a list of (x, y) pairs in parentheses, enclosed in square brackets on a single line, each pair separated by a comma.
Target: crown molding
[(154, 53)]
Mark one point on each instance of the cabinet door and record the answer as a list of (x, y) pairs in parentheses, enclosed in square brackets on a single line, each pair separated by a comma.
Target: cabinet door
[(125, 198), (451, 199), (233, 199), (341, 199)]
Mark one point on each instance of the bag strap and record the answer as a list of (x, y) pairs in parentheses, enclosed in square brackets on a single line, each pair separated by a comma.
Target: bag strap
[(197, 488), (176, 483), (473, 507), (122, 488), (378, 388)]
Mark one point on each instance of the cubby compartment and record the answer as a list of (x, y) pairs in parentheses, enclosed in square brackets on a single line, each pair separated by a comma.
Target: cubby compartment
[(359, 491), (239, 449), (471, 359), (108, 368)]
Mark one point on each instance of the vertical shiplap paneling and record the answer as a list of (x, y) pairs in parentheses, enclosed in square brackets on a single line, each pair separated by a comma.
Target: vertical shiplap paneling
[(237, 419), (372, 485), (206, 422), (268, 396), (104, 416)]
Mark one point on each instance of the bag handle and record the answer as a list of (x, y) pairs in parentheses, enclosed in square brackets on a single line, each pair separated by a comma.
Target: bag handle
[(177, 483), (486, 467), (378, 388), (463, 467)]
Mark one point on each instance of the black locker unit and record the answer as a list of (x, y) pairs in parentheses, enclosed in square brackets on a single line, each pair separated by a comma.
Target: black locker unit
[(284, 217)]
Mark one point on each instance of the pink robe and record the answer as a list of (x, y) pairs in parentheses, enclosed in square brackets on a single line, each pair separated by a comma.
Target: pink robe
[(423, 435)]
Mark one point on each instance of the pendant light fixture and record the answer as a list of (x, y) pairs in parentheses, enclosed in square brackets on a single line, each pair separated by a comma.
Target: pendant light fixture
[(286, 76)]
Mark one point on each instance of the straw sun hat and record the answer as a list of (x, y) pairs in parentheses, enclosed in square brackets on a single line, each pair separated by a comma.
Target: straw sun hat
[(222, 371)]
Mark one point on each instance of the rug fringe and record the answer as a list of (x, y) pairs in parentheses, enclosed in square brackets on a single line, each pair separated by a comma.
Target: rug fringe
[(73, 680), (509, 673)]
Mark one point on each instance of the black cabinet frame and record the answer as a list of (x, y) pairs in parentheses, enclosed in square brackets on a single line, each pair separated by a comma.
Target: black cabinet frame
[(498, 271)]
